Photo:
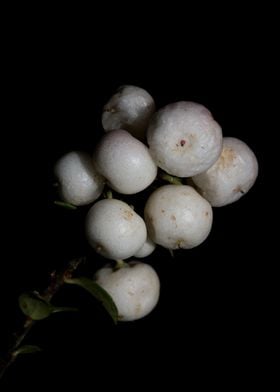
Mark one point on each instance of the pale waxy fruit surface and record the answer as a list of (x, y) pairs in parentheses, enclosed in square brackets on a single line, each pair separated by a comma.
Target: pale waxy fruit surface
[(178, 217), (114, 229), (134, 288), (147, 249), (231, 177), (184, 139), (79, 182), (130, 108), (125, 162)]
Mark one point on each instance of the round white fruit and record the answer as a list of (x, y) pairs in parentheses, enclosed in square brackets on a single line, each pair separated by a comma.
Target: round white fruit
[(232, 176), (125, 162), (131, 109), (79, 182), (148, 248), (178, 217), (134, 288), (114, 230), (184, 139)]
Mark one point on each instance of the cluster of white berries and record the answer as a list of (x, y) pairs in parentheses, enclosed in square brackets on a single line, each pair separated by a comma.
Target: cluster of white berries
[(185, 141)]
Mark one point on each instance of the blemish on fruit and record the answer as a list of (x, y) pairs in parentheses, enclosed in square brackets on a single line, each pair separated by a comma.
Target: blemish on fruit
[(179, 244), (227, 157), (110, 110), (127, 214), (138, 308), (182, 142), (239, 190)]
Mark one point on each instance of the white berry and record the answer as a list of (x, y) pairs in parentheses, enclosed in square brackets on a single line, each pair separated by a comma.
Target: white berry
[(125, 162), (184, 139), (79, 182), (178, 217), (134, 288), (114, 230), (231, 176), (131, 109), (148, 248)]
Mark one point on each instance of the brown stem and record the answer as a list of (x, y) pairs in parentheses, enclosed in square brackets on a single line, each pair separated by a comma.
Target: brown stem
[(56, 282)]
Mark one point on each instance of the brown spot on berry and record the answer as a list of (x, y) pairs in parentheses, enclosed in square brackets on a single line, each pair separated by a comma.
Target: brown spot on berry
[(206, 213), (109, 109), (163, 211), (138, 308), (239, 190), (182, 142), (127, 214), (179, 244), (173, 217), (130, 293), (227, 158)]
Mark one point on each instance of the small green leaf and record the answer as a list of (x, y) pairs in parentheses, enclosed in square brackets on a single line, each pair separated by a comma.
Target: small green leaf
[(65, 205), (34, 307), (38, 309), (99, 293), (27, 349)]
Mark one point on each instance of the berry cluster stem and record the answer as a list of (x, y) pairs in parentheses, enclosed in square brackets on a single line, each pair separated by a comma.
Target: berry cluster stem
[(171, 179)]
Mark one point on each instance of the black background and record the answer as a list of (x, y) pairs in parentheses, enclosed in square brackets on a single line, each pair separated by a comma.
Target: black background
[(212, 297)]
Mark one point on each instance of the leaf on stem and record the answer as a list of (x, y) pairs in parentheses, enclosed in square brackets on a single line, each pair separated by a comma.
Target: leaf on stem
[(34, 307), (26, 349), (38, 309), (98, 293)]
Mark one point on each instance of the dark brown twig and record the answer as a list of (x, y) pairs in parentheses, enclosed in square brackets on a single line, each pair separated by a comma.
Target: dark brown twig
[(56, 282)]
